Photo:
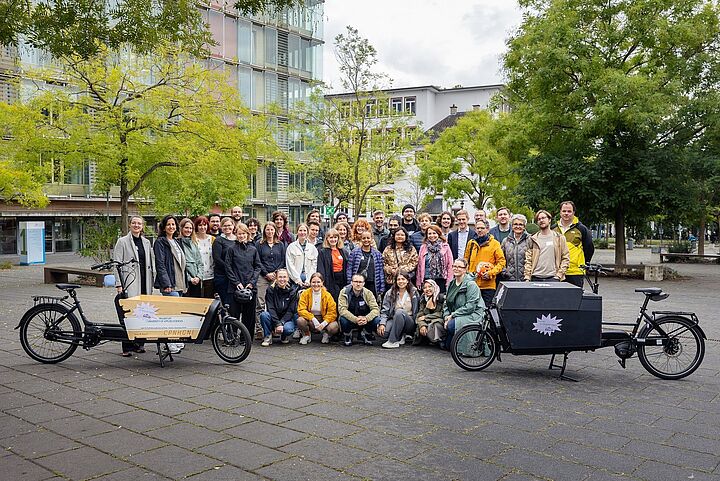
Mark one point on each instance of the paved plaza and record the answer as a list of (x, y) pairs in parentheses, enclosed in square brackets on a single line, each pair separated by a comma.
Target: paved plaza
[(327, 412)]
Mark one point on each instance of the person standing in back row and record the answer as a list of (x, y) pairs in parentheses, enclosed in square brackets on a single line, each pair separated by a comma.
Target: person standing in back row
[(547, 256), (501, 231), (579, 242)]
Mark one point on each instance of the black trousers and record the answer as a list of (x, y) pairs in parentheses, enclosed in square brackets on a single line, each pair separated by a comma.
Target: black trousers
[(575, 280), (245, 312)]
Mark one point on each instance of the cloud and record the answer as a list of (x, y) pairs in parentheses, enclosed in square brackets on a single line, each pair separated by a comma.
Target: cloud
[(427, 42)]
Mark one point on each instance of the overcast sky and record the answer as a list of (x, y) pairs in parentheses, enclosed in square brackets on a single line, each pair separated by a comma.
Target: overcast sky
[(426, 42)]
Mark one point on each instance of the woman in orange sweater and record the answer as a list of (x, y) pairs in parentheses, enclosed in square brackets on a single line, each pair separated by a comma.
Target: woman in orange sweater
[(317, 311)]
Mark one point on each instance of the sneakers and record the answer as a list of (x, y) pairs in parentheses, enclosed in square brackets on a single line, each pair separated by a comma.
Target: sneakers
[(348, 340), (326, 338), (392, 345), (296, 334), (284, 340), (305, 339), (175, 347), (267, 340), (401, 342), (365, 338)]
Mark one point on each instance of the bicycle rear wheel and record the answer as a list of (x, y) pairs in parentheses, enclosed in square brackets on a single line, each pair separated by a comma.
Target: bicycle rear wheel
[(681, 352), (49, 333), (231, 341), (473, 348)]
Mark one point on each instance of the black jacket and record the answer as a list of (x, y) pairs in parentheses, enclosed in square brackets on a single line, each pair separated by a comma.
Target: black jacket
[(219, 250), (242, 264), (325, 267), (271, 258), (453, 242), (281, 304), (164, 263)]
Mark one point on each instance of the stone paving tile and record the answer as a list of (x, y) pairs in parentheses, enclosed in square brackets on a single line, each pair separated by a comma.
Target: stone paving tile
[(382, 444), (187, 435), (225, 473), (331, 454), (213, 419), (612, 461), (285, 385), (167, 406), (286, 400), (38, 443), (336, 411), (268, 412), (79, 427), (243, 454), (17, 468), (82, 463), (586, 437), (132, 474), (174, 462), (266, 434), (100, 407), (656, 471), (321, 427), (301, 470), (122, 443), (218, 400), (11, 426), (674, 455), (695, 443), (65, 396), (383, 469), (127, 394), (542, 465), (458, 467)]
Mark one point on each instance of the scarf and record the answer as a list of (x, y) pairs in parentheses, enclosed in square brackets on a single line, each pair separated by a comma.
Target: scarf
[(482, 239), (431, 302), (285, 236), (435, 269)]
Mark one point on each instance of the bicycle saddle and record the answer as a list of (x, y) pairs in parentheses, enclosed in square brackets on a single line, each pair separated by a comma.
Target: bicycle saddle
[(67, 287), (650, 291)]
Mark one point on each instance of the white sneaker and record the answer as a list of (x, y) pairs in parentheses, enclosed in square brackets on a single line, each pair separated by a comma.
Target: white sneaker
[(401, 342), (174, 348), (305, 339), (267, 340), (296, 334), (390, 345), (326, 338)]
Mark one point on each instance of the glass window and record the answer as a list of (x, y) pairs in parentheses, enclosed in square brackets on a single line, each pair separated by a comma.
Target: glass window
[(410, 105), (216, 29), (293, 92), (306, 59), (252, 181), (271, 87), (245, 84), (244, 41), (258, 45), (294, 51), (8, 236), (396, 105), (270, 46), (232, 75), (258, 90), (230, 41), (271, 178)]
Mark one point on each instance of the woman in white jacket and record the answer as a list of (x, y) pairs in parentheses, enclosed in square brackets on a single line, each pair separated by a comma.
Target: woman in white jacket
[(301, 258), (138, 276)]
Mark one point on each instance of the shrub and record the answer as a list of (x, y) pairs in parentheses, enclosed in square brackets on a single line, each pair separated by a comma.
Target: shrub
[(99, 239), (680, 247), (600, 243)]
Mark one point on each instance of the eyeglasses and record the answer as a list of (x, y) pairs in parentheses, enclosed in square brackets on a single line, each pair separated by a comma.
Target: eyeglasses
[(518, 225), (459, 267)]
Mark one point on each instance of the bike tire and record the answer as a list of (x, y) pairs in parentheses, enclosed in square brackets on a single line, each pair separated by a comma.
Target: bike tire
[(36, 336), (681, 356), (235, 349), (473, 348)]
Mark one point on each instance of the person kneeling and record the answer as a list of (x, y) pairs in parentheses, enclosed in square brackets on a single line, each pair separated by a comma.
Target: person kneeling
[(358, 309), (430, 322), (397, 317), (281, 305), (317, 311)]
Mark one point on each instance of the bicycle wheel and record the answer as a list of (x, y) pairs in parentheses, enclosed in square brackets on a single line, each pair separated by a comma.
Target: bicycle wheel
[(473, 348), (231, 341), (682, 352), (49, 333)]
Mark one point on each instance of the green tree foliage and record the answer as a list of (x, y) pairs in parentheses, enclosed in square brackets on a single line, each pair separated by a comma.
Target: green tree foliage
[(467, 159), (605, 90), (159, 126), (356, 142)]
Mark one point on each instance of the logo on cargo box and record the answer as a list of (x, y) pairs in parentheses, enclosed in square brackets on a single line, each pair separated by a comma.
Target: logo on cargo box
[(547, 324), (145, 310)]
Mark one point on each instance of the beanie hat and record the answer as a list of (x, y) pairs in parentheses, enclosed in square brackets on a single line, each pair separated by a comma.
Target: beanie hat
[(408, 206)]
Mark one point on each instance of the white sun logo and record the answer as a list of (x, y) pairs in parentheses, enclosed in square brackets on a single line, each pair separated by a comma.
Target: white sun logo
[(547, 324), (145, 310)]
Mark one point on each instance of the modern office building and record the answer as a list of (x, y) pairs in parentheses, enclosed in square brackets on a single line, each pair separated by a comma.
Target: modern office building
[(272, 59), (428, 108)]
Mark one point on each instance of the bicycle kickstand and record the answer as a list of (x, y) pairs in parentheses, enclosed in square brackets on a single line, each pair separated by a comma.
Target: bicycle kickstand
[(163, 353), (562, 367)]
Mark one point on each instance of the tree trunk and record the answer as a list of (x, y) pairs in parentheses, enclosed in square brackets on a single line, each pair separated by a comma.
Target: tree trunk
[(124, 195), (620, 254), (701, 237)]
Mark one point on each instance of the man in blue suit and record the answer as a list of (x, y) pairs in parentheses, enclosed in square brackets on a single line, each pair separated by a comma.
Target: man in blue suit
[(458, 239)]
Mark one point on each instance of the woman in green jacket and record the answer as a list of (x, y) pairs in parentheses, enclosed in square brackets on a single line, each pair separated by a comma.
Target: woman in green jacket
[(463, 304), (193, 259)]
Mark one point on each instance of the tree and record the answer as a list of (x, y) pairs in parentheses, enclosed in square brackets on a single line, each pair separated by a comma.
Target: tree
[(159, 126), (467, 160), (355, 140), (606, 90)]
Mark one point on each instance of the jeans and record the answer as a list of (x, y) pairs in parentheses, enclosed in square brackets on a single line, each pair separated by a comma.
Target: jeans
[(172, 293), (266, 322), (347, 325), (450, 334), (399, 325)]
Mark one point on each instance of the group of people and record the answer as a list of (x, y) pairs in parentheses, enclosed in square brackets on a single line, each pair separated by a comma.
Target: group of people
[(410, 279)]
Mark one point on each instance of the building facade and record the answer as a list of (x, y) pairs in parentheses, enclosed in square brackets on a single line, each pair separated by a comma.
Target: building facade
[(272, 59)]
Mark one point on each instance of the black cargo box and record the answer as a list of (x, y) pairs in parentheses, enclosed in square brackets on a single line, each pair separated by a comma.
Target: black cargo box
[(546, 317)]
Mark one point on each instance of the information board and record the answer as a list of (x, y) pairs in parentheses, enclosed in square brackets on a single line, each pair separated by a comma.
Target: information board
[(31, 239)]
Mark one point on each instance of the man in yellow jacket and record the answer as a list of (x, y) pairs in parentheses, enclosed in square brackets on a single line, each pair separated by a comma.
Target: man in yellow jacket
[(485, 258), (579, 242)]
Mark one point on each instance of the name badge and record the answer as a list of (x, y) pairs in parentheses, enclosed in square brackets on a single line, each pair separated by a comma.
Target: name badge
[(361, 303), (549, 243)]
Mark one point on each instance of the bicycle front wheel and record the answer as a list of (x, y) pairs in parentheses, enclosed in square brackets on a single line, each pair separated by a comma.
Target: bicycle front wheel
[(473, 348), (49, 333), (231, 341), (679, 351)]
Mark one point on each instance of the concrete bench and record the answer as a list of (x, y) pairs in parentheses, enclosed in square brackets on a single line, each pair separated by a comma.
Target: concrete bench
[(670, 257), (57, 274)]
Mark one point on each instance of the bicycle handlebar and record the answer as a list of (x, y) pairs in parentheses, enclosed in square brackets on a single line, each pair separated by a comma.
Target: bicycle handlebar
[(110, 264), (596, 268)]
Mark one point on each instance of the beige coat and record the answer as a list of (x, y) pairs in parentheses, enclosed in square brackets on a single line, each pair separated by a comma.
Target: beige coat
[(124, 251), (562, 256)]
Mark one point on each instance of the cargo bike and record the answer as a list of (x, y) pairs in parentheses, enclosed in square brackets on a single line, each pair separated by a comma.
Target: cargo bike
[(557, 318), (50, 331)]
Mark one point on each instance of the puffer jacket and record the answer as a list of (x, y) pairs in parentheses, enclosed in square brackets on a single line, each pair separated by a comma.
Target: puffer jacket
[(514, 251), (490, 252)]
